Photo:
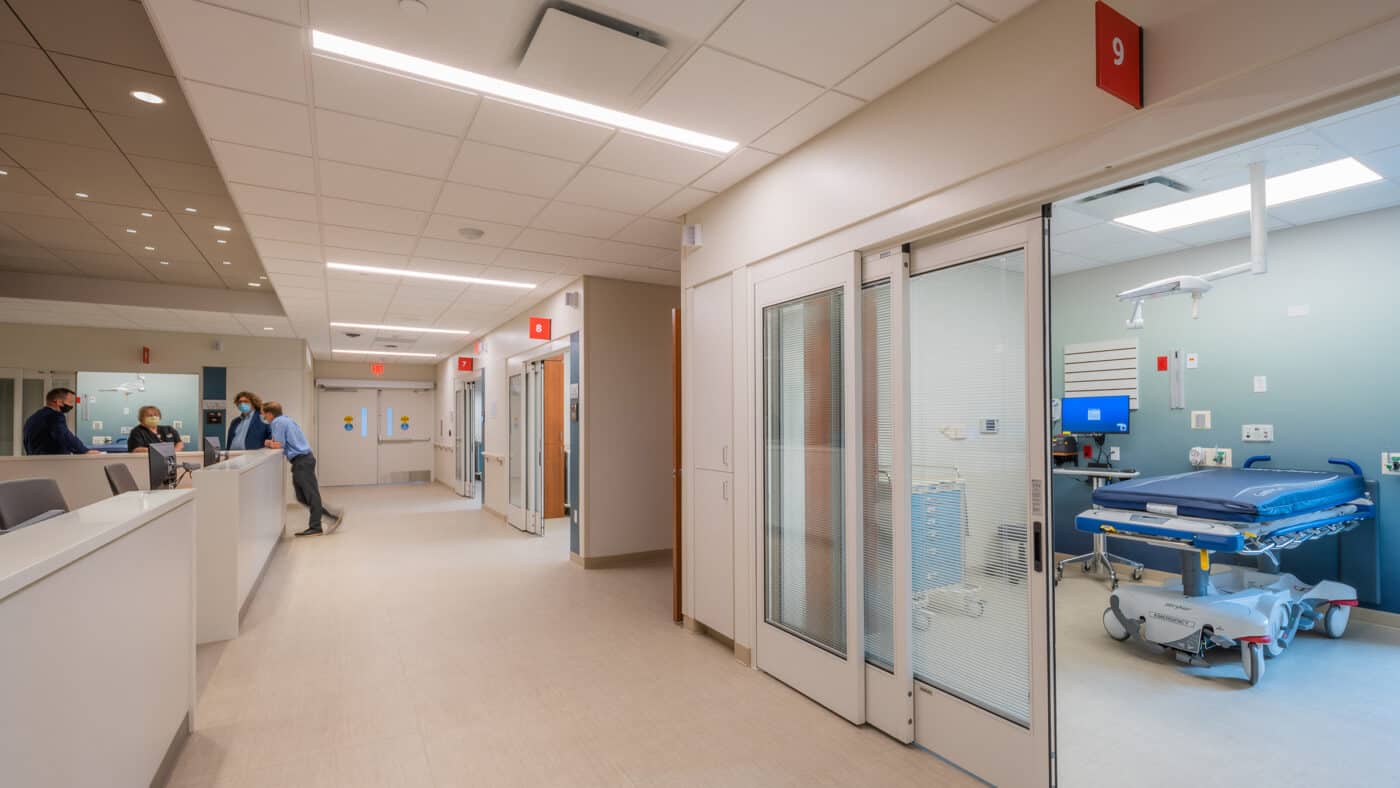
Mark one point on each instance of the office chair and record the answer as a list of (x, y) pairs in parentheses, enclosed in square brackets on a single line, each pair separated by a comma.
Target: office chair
[(119, 478), (24, 502)]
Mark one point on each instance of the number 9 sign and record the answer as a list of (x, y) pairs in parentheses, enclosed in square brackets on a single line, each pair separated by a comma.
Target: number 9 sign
[(1118, 55)]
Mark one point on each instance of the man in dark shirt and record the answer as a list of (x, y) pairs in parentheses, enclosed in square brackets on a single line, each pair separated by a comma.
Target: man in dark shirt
[(46, 432)]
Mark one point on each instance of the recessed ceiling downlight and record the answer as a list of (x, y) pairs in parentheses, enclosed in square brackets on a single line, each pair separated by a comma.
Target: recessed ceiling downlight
[(471, 233), (147, 96)]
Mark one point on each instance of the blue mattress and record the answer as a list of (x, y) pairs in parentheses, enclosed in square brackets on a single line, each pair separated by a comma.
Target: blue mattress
[(1241, 495)]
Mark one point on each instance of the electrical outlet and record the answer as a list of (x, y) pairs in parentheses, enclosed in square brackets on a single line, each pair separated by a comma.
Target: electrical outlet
[(1114, 455), (1200, 419), (1390, 463), (1257, 433)]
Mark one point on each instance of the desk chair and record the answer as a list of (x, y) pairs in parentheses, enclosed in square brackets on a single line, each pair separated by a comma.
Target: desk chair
[(24, 502), (119, 478)]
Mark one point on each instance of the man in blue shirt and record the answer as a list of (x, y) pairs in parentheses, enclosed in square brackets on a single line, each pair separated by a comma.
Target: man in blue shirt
[(46, 431), (287, 436)]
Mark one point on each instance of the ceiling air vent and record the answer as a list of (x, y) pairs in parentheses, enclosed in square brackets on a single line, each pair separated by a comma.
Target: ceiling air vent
[(595, 58), (1130, 198)]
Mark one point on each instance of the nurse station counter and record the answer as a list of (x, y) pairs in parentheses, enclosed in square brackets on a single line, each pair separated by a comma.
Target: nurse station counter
[(101, 609)]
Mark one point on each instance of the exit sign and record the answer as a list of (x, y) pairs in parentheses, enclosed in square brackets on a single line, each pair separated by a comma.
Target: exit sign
[(376, 369), (1117, 55)]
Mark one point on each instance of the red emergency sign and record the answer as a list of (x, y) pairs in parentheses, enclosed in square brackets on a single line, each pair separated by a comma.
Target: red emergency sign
[(1117, 55)]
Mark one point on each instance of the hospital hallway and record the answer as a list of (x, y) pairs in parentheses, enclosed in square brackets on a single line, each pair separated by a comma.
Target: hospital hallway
[(427, 643)]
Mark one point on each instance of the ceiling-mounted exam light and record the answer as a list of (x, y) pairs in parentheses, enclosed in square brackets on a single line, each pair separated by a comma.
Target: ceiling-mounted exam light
[(362, 53), (1136, 320)]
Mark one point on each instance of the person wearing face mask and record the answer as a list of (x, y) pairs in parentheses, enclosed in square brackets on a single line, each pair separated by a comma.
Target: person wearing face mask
[(46, 431), (150, 430), (247, 430)]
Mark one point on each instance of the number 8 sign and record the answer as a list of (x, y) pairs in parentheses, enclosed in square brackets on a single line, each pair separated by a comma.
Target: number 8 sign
[(540, 328), (1118, 55)]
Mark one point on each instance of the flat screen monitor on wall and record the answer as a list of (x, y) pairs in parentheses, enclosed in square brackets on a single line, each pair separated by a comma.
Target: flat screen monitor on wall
[(1094, 415)]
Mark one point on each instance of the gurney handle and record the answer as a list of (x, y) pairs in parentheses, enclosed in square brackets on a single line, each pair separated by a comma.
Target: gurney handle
[(1258, 458), (1356, 469)]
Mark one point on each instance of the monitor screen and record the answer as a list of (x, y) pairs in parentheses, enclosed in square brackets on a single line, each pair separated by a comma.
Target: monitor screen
[(1094, 415), (160, 458), (211, 451)]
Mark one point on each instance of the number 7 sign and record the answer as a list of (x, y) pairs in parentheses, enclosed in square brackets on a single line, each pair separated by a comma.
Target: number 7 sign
[(1117, 55)]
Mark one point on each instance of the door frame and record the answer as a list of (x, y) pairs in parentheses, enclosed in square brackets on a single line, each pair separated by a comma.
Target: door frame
[(974, 738), (463, 447), (527, 516), (837, 682)]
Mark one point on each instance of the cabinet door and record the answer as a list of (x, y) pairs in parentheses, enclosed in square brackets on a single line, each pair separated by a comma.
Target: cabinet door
[(713, 561), (712, 375)]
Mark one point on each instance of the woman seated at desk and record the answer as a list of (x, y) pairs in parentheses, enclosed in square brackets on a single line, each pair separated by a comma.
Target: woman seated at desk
[(150, 430)]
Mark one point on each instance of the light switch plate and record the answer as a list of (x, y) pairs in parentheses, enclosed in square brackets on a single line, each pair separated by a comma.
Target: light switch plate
[(1257, 433), (1192, 361), (1261, 384), (1114, 455), (97, 425), (1200, 419)]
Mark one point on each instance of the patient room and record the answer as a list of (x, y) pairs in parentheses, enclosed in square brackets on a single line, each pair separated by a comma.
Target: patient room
[(1225, 374)]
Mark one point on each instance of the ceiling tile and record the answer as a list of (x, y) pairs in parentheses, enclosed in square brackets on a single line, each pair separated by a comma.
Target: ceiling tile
[(36, 204), (247, 53), (1359, 199), (26, 71), (192, 274), (446, 228), (651, 158), (161, 173), (652, 232), (1365, 133), (809, 121), (261, 167), (349, 213), (931, 43), (692, 18), (169, 138), (1000, 10), (234, 116), (368, 240), (582, 220), (440, 249), (105, 87), (616, 191), (522, 128), (561, 244), (11, 30), (287, 250), (1112, 242), (497, 206), (495, 167), (111, 32), (209, 208), (51, 122), (823, 46), (363, 257), (722, 95), (679, 203), (288, 11), (274, 202), (39, 155), (384, 145), (283, 229), (364, 184), (374, 94), (739, 166), (125, 189)]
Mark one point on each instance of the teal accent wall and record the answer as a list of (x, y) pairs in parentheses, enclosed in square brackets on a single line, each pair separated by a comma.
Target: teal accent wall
[(177, 396), (1333, 376)]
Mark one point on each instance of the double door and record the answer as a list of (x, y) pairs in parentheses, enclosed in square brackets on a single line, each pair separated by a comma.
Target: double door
[(467, 436), (537, 470), (374, 435), (901, 552)]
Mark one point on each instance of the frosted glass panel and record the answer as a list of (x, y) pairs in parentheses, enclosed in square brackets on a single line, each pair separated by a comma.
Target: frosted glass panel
[(517, 441), (877, 455), (971, 600), (804, 571)]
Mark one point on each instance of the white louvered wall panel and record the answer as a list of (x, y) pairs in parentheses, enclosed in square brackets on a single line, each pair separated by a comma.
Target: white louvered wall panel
[(1103, 369)]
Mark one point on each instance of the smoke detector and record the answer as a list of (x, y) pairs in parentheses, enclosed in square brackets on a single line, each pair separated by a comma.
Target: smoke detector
[(413, 7), (470, 233)]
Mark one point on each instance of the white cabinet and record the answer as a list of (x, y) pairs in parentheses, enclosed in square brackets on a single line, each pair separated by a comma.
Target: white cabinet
[(711, 386), (713, 546)]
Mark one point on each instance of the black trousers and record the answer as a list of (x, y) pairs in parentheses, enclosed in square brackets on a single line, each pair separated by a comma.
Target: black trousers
[(308, 490)]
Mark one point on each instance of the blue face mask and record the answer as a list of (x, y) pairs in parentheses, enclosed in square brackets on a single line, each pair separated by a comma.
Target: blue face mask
[(244, 407)]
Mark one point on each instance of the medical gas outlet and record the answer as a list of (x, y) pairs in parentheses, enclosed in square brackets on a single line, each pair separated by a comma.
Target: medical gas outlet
[(1390, 463), (1210, 457)]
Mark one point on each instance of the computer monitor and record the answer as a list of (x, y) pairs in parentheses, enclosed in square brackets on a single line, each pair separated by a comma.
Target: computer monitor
[(160, 459), (211, 451), (1094, 415)]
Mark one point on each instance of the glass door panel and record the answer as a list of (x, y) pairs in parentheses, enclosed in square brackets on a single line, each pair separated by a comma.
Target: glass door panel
[(877, 476), (516, 453)]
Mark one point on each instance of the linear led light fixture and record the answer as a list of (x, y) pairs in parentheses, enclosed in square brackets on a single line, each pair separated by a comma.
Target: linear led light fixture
[(471, 280), (480, 83), (416, 329), (1322, 179), (386, 353)]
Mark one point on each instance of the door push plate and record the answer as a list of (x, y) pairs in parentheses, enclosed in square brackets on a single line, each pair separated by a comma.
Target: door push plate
[(1039, 549)]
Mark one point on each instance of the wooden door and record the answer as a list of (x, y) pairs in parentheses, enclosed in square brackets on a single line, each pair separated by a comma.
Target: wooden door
[(553, 437)]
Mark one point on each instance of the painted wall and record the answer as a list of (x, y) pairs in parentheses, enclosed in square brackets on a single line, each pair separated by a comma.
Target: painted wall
[(359, 370), (1331, 373), (628, 435), (1014, 119), (277, 369)]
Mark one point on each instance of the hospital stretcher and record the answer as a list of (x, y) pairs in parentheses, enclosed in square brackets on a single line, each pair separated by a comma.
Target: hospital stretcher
[(1243, 511)]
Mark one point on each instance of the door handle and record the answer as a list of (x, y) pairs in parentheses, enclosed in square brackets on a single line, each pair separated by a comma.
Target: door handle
[(724, 456), (1039, 550), (724, 490)]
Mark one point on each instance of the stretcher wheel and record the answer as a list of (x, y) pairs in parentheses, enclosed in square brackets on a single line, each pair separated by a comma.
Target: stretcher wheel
[(1278, 631), (1252, 660), (1334, 621), (1137, 573), (1113, 626)]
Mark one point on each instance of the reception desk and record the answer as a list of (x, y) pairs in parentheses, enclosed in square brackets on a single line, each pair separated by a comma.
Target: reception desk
[(81, 477), (242, 506), (98, 661)]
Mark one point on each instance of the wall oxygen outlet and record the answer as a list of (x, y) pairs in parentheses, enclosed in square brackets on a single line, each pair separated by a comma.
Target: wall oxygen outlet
[(1210, 457), (1257, 433), (1390, 463)]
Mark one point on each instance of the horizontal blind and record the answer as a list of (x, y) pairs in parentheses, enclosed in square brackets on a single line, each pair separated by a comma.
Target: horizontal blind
[(1103, 369)]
